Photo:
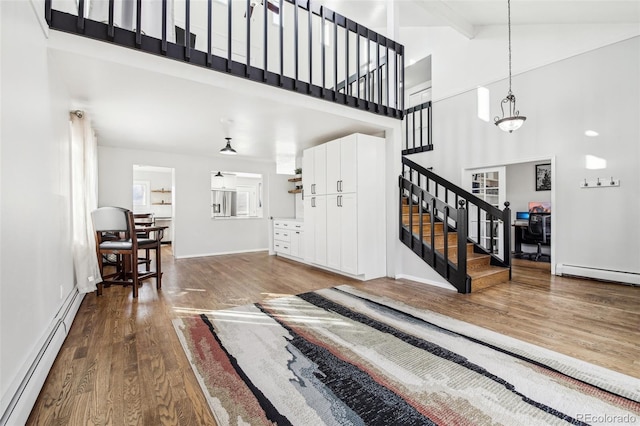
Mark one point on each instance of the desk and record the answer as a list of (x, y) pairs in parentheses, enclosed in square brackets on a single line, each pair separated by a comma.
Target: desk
[(518, 228)]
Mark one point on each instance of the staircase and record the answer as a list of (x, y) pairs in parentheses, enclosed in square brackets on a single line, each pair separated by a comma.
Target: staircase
[(438, 232)]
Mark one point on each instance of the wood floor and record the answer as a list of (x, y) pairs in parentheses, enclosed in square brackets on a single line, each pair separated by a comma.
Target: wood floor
[(122, 362)]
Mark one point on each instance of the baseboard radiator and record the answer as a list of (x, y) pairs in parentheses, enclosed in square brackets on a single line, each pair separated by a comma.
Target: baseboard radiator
[(632, 278), (22, 395)]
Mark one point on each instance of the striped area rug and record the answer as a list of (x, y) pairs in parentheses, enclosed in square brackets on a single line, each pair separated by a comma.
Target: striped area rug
[(343, 357)]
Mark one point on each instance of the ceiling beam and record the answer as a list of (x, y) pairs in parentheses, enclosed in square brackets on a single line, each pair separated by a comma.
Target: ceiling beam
[(441, 10)]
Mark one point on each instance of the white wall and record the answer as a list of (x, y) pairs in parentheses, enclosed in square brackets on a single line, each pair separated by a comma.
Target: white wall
[(598, 90), (195, 232), (158, 180), (36, 268), (459, 64)]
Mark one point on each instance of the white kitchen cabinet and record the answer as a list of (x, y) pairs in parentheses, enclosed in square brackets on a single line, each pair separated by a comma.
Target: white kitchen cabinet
[(346, 229), (314, 176), (288, 238), (342, 165), (315, 225)]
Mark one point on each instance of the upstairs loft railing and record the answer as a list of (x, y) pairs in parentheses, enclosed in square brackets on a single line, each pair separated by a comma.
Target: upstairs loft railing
[(459, 211), (418, 129), (297, 45)]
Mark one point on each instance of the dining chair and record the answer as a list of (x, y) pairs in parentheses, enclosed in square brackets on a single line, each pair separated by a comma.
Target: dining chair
[(117, 235)]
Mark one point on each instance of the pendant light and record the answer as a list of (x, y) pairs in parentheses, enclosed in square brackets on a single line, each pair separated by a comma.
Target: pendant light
[(514, 120), (227, 150)]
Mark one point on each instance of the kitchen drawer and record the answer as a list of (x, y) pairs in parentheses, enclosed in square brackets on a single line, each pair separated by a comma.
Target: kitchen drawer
[(281, 247), (281, 235)]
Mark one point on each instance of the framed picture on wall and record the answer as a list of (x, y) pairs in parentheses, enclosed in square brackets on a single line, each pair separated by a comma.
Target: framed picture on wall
[(543, 177)]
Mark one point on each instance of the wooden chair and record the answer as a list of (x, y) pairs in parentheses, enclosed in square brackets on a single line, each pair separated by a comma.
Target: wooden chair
[(144, 222), (116, 235)]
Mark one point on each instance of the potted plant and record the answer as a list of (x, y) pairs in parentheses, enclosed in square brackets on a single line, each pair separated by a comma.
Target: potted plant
[(298, 172)]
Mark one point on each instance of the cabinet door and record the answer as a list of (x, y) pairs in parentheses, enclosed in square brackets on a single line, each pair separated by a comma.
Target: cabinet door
[(320, 237), (333, 231), (319, 169), (349, 163), (309, 226), (349, 233), (333, 166), (308, 171)]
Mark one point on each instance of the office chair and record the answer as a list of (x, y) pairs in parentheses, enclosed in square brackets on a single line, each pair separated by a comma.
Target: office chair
[(538, 232)]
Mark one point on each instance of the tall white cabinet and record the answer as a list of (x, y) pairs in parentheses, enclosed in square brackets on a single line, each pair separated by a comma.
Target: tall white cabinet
[(344, 206)]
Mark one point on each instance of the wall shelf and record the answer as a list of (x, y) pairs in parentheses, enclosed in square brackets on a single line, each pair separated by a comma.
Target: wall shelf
[(298, 179), (295, 191), (163, 191)]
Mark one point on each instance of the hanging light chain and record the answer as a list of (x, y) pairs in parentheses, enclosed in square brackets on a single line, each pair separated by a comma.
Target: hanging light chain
[(509, 25)]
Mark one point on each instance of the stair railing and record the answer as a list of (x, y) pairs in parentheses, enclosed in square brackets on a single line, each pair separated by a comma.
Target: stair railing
[(424, 242), (418, 124), (298, 45), (479, 212)]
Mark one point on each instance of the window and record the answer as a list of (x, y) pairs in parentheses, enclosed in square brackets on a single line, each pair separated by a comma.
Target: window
[(140, 193), (236, 195)]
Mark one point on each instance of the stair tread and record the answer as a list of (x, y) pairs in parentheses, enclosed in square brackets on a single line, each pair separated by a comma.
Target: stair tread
[(486, 271)]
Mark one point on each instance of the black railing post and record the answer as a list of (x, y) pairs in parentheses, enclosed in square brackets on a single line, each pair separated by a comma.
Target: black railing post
[(421, 212), (461, 220), (310, 36), (506, 235), (445, 232), (281, 30), (209, 32)]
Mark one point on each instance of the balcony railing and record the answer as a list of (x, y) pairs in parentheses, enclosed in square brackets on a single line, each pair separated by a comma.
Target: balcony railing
[(297, 45)]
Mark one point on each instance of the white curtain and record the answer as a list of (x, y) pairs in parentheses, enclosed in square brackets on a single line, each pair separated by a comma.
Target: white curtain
[(84, 178)]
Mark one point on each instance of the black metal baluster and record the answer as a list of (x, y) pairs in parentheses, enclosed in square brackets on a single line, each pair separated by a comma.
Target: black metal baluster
[(247, 68), (413, 121), (358, 64), (324, 39), (406, 133), (429, 122), (378, 63), (265, 26), (386, 68), (47, 11), (421, 112), (310, 32), (281, 15), (229, 33), (348, 90), (367, 92), (335, 58), (295, 44), (209, 32), (80, 23), (402, 80), (164, 22), (139, 22)]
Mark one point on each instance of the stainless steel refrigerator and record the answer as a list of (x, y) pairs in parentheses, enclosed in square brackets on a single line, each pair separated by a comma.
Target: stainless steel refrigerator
[(223, 203)]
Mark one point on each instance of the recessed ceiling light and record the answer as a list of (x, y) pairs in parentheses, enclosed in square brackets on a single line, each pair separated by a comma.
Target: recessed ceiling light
[(591, 133)]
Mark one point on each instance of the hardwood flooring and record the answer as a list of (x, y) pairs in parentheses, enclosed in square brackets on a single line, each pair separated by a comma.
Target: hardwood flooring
[(122, 363)]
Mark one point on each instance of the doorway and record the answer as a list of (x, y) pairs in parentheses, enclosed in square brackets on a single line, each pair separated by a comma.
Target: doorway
[(153, 193)]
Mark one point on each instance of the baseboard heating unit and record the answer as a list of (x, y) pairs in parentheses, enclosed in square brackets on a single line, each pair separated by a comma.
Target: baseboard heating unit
[(22, 394), (632, 278)]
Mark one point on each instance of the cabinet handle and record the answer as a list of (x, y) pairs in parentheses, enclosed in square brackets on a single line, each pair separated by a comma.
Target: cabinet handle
[(297, 233), (313, 188), (338, 185), (313, 201)]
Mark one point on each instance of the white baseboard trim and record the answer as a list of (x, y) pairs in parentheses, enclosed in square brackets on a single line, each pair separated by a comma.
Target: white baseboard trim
[(191, 256), (632, 278), (18, 402), (425, 281)]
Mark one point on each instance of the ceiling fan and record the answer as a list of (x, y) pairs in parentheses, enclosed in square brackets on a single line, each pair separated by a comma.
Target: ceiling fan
[(272, 7)]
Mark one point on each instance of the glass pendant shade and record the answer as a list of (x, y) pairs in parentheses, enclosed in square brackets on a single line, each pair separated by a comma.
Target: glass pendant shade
[(227, 150)]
